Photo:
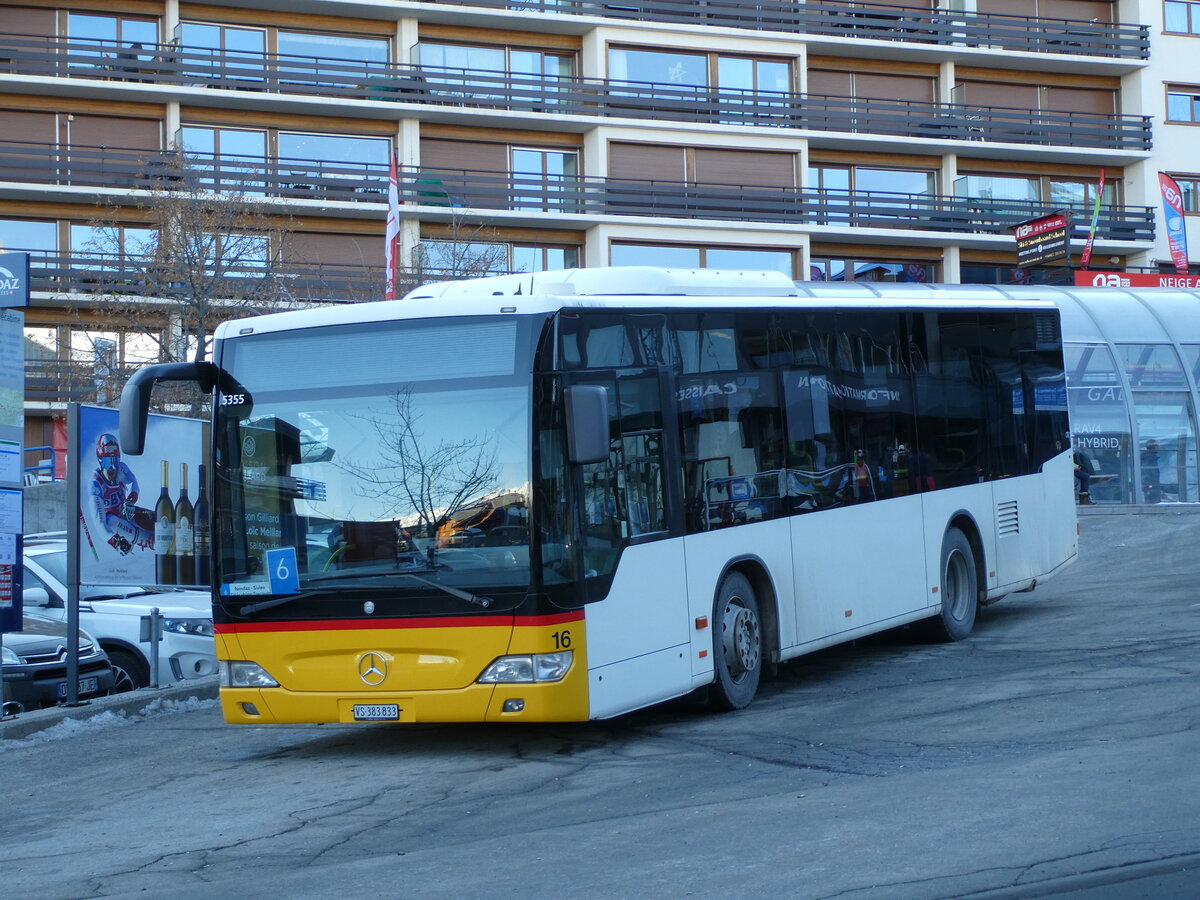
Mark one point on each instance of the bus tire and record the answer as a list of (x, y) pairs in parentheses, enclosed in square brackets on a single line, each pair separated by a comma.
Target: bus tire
[(737, 644), (959, 589)]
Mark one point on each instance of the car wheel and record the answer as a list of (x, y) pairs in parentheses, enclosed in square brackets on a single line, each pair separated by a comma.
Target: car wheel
[(737, 644), (130, 672)]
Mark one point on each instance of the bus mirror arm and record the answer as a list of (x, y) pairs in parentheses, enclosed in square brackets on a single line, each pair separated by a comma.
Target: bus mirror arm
[(587, 423), (135, 398)]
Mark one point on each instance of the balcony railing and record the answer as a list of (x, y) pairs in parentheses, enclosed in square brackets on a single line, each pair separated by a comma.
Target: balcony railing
[(62, 380), (863, 20), (530, 192), (99, 273), (558, 95)]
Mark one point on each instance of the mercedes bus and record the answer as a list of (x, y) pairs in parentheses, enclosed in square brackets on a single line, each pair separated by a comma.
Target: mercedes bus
[(568, 495)]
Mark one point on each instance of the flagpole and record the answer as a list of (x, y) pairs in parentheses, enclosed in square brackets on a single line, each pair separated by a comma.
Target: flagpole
[(1086, 256), (392, 232)]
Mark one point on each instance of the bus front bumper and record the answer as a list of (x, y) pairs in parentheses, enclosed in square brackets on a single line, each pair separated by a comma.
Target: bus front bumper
[(564, 701)]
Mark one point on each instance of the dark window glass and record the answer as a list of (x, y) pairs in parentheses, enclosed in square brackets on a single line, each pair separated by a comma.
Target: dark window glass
[(1007, 450), (950, 407), (733, 448)]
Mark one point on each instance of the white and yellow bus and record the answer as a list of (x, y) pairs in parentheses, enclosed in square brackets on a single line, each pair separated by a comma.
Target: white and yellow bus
[(568, 495)]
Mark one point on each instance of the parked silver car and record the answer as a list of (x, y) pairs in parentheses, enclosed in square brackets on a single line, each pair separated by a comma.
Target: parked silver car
[(35, 665)]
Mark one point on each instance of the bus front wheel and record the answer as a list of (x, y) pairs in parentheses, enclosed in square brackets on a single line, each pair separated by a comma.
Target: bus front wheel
[(959, 588), (737, 644)]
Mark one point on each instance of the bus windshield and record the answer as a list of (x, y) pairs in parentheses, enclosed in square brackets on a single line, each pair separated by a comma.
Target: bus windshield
[(387, 459)]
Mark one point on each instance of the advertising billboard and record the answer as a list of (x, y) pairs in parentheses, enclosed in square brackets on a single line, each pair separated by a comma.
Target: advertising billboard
[(142, 519), (1173, 215), (1043, 240)]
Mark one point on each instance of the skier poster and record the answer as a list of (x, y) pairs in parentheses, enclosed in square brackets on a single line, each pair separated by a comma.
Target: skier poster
[(137, 515)]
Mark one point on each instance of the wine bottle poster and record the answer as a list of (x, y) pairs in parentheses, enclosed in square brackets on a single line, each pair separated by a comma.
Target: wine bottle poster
[(137, 513)]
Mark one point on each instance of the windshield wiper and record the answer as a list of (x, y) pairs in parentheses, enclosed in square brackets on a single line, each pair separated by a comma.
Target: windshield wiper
[(273, 602), (484, 602)]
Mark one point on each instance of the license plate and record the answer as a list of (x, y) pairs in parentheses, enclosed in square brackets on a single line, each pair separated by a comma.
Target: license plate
[(86, 686), (376, 712)]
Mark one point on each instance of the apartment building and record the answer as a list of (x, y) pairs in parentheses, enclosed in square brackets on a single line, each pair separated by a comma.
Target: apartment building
[(837, 141)]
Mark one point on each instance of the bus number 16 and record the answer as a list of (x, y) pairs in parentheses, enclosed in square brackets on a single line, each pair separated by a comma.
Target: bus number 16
[(562, 640)]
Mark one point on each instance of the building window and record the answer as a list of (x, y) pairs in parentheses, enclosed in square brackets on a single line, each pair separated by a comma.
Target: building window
[(841, 269), (1058, 191), (1189, 187), (675, 256), (734, 73), (1181, 17), (27, 234), (480, 58), (540, 178), (534, 258), (118, 30), (332, 46), (1183, 106)]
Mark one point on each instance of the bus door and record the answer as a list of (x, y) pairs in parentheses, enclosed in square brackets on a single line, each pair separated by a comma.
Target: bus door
[(627, 509)]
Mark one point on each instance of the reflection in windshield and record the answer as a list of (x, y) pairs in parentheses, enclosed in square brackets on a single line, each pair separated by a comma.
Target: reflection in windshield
[(368, 476)]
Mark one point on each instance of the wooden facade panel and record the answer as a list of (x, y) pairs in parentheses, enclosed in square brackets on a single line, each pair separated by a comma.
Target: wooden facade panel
[(895, 87), (109, 131), (23, 125), (1007, 7), (28, 20), (1076, 100), (1079, 10), (333, 249), (1007, 96), (647, 161), (830, 84), (474, 156), (751, 167)]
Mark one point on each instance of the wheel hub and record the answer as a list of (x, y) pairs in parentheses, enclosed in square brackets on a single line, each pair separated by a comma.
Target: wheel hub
[(742, 646)]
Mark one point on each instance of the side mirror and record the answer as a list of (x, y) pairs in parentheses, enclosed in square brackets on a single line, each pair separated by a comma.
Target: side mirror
[(35, 597), (587, 423), (135, 398)]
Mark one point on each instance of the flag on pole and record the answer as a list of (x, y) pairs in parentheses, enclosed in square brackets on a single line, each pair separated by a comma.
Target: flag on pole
[(1086, 256), (1172, 200), (392, 234)]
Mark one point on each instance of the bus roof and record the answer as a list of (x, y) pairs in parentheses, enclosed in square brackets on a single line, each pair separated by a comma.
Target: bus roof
[(636, 286)]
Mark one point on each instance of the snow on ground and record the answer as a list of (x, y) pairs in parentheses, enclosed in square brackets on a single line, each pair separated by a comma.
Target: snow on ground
[(71, 728)]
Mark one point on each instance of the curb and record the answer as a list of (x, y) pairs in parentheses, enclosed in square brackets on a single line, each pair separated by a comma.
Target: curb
[(27, 723), (1130, 509)]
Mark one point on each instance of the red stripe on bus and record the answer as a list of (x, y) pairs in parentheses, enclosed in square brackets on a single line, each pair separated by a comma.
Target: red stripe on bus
[(374, 624)]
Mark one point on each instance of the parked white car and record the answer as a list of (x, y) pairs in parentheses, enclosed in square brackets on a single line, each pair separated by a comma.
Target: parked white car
[(113, 615)]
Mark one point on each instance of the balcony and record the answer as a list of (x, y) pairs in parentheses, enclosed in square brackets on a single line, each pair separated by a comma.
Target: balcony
[(862, 21), (521, 192), (299, 283), (167, 66)]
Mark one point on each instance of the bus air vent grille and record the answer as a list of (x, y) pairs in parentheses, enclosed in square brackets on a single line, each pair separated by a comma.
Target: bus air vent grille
[(1008, 518), (1046, 330)]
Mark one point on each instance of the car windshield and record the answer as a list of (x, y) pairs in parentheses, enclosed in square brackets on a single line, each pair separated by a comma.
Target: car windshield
[(351, 456)]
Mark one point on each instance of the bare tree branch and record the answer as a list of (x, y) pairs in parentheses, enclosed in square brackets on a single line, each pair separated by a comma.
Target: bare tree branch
[(425, 479)]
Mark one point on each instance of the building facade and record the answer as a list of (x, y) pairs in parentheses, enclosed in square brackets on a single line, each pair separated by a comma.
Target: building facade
[(833, 141)]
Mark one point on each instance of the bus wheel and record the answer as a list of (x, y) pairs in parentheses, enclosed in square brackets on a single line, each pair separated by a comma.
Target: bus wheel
[(959, 588), (737, 644)]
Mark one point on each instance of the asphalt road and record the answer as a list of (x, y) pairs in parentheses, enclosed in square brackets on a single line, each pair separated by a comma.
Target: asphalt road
[(1054, 753)]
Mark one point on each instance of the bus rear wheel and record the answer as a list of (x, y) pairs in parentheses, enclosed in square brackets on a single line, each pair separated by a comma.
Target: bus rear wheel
[(737, 644), (959, 589)]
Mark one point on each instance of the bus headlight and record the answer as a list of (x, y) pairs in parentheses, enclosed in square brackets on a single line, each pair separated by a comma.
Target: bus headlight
[(527, 669), (241, 673)]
